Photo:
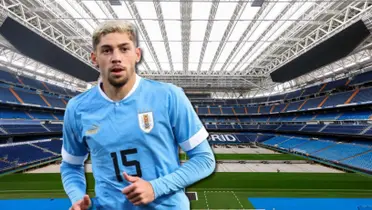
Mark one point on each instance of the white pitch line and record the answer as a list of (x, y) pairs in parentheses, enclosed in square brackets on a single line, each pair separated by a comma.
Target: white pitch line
[(206, 201), (237, 199)]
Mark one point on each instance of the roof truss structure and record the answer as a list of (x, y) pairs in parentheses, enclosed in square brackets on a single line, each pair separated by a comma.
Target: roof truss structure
[(208, 45)]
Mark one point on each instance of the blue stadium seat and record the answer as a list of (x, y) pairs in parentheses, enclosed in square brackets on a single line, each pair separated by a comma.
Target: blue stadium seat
[(344, 129), (211, 126), (337, 98), (356, 115), (239, 110), (275, 140), (250, 127), (41, 115), (32, 83), (327, 116), (203, 110), (364, 96), (9, 77), (311, 90), (224, 126), (4, 165), (265, 109), (55, 102), (292, 143), (245, 119), (294, 106), (259, 119), (215, 110), (294, 94), (54, 127), (363, 161), (335, 84), (24, 153), (341, 151), (59, 116), (303, 118), (222, 119), (286, 118), (31, 98), (369, 132), (268, 127), (56, 89), (313, 146), (290, 127), (261, 138), (24, 128), (7, 96), (312, 128), (53, 145), (312, 103), (252, 109), (279, 108), (209, 119), (237, 126), (227, 110), (6, 113), (361, 78), (274, 119)]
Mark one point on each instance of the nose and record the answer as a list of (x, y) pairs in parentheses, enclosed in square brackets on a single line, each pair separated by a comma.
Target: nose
[(116, 57)]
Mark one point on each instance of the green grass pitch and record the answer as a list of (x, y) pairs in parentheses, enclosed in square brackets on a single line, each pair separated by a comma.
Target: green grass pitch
[(252, 157), (219, 191)]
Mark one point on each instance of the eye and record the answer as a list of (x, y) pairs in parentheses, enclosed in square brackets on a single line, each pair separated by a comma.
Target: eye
[(106, 51), (124, 49)]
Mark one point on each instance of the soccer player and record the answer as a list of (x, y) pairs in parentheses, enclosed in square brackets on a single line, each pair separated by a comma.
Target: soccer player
[(132, 128)]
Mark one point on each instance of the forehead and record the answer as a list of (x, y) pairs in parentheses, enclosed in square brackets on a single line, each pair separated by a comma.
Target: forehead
[(115, 38)]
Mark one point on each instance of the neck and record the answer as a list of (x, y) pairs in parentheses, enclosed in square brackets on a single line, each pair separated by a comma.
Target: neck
[(118, 93)]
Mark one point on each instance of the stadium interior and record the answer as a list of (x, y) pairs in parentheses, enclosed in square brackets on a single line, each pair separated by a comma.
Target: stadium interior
[(283, 87)]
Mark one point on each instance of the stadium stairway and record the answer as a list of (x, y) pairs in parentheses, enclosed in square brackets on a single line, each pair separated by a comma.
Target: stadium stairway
[(44, 149)]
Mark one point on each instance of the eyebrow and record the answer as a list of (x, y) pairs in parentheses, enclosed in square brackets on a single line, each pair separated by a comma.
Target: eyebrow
[(120, 45)]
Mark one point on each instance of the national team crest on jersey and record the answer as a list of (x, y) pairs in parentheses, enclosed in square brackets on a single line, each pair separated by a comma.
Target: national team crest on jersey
[(146, 121)]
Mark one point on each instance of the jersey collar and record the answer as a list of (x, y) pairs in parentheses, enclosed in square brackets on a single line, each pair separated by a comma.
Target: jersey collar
[(103, 94)]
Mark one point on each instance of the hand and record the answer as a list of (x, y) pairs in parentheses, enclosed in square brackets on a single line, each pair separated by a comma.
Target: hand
[(82, 204), (140, 192)]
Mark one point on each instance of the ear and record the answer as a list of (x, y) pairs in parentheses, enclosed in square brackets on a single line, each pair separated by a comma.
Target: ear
[(93, 57), (138, 54)]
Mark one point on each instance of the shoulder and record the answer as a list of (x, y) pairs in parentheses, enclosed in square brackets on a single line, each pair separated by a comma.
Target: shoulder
[(80, 99)]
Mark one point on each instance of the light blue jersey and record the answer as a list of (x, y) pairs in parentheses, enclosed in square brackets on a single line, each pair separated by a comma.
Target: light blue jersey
[(139, 135)]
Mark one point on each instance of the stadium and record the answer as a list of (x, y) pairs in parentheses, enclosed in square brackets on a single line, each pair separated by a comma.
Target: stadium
[(284, 88)]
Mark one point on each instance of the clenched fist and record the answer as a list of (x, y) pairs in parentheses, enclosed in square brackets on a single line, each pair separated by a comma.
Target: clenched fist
[(140, 192)]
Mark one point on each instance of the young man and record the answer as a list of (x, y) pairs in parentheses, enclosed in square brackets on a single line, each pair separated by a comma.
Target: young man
[(132, 127)]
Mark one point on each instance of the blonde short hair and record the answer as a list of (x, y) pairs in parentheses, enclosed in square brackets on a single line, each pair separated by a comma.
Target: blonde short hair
[(112, 26)]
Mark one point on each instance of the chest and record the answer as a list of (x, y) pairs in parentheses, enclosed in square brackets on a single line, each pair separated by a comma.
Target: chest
[(115, 127)]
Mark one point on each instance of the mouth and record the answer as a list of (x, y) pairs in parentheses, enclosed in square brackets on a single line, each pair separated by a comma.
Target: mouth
[(117, 70)]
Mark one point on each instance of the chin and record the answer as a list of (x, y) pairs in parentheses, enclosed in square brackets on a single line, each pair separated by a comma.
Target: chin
[(118, 82)]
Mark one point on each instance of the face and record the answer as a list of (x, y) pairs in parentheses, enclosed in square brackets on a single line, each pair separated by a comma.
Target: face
[(116, 57)]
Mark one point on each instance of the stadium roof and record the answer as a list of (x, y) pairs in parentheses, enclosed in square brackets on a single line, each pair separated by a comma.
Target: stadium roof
[(212, 45)]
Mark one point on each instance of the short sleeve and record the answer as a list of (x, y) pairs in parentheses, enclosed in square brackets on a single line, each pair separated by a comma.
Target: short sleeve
[(74, 151), (187, 127)]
